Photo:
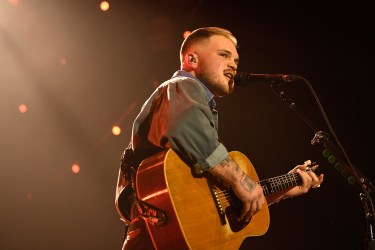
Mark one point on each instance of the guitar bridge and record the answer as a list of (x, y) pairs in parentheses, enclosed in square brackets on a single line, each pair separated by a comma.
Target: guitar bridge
[(219, 206)]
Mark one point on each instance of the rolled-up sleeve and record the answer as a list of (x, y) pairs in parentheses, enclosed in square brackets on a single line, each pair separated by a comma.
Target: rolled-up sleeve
[(219, 154)]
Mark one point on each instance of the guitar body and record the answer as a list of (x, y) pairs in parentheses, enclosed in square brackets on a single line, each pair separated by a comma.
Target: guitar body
[(193, 220)]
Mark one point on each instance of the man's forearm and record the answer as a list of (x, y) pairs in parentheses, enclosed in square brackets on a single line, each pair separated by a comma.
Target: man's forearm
[(231, 174)]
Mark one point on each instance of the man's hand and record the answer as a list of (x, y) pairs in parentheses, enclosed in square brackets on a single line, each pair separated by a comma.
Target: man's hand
[(247, 190)]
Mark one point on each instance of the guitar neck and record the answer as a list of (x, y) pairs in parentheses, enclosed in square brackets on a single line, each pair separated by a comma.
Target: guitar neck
[(279, 183)]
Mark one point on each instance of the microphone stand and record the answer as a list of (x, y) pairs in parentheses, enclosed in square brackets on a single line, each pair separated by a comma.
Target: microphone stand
[(335, 154)]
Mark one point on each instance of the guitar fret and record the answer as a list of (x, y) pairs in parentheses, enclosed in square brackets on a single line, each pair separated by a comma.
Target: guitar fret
[(279, 183)]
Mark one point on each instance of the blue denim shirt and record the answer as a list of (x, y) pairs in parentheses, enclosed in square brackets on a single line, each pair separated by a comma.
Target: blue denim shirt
[(180, 115)]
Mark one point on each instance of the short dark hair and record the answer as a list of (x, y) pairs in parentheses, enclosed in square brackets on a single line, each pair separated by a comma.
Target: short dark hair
[(204, 33)]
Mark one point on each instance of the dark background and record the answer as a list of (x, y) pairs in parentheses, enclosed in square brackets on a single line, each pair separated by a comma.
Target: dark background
[(80, 71)]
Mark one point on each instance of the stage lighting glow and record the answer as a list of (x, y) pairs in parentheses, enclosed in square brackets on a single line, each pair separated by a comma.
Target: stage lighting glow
[(13, 2), (22, 108), (63, 61), (116, 130), (76, 168), (186, 33), (104, 5)]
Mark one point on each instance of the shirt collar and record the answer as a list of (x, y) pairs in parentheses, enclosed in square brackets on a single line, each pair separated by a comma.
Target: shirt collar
[(210, 96)]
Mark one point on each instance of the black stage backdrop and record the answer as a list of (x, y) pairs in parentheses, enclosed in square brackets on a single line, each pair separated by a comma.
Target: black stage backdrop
[(80, 70)]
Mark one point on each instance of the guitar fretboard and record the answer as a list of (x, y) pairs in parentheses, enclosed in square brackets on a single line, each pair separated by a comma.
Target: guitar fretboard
[(279, 183)]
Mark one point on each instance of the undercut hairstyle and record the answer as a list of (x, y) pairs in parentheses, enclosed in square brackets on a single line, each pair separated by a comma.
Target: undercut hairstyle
[(204, 33)]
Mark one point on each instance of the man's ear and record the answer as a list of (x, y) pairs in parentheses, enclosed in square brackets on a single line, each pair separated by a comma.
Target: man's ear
[(191, 59)]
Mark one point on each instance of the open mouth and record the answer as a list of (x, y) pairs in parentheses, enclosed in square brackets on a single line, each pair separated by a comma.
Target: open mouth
[(229, 75)]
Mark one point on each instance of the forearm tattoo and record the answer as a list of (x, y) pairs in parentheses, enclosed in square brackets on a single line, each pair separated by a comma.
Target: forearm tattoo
[(245, 181), (225, 162)]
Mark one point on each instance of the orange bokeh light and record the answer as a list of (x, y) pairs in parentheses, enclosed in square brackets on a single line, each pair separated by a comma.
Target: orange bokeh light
[(13, 2), (76, 168), (63, 61), (186, 33), (22, 108), (104, 5), (29, 195), (116, 130)]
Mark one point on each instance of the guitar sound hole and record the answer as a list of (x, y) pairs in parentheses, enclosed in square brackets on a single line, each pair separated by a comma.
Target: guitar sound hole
[(232, 216)]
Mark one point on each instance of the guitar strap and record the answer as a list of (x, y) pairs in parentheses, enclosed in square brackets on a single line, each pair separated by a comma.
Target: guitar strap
[(128, 203), (124, 191)]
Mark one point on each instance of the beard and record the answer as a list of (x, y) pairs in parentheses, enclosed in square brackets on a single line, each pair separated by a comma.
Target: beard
[(214, 82)]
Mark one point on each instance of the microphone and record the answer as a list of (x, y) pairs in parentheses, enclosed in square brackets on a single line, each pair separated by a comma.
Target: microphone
[(243, 78)]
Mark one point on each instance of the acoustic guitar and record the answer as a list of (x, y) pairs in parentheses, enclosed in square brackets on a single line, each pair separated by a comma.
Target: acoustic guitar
[(200, 213)]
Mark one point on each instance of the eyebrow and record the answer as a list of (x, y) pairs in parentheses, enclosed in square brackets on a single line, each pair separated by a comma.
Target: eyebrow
[(237, 61)]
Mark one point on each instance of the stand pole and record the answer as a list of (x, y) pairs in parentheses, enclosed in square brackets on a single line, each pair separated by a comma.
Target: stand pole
[(336, 154)]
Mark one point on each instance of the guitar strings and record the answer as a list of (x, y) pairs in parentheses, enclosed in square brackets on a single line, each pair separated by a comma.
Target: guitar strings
[(281, 183), (227, 197)]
